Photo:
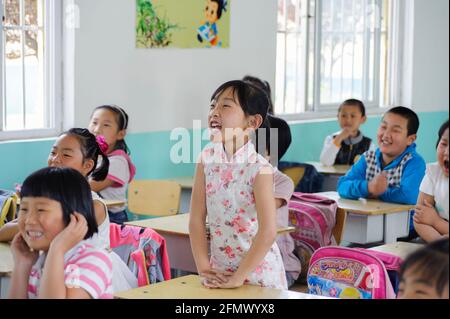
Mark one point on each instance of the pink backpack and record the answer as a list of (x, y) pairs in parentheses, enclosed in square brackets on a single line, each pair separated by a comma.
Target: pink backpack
[(313, 217), (352, 273), (143, 250)]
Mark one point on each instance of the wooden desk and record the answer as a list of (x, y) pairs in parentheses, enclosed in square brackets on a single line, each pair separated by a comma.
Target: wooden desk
[(190, 287), (175, 229), (370, 220), (331, 174), (6, 268), (186, 184), (400, 249)]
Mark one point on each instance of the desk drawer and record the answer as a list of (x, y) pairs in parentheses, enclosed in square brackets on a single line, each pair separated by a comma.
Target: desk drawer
[(363, 229)]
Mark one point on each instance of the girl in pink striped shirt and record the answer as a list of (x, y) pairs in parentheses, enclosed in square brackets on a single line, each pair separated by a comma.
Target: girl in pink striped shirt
[(51, 255)]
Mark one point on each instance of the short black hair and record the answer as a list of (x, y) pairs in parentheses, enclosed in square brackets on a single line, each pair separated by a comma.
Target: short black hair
[(284, 135), (251, 98), (91, 151), (432, 262), (263, 85), (66, 186), (354, 102), (441, 132), (409, 115)]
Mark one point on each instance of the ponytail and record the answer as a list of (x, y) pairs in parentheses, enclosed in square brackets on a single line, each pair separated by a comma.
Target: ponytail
[(92, 150)]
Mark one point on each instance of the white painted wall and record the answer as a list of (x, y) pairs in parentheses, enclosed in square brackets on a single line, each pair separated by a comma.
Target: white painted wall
[(164, 88), (430, 72)]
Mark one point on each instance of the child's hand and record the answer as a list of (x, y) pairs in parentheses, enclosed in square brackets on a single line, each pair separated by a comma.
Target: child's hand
[(71, 235), (233, 282), (426, 214), (22, 253), (212, 278), (345, 133), (378, 185)]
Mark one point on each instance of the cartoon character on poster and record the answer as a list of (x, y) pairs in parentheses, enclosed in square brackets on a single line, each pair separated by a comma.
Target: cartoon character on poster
[(208, 31)]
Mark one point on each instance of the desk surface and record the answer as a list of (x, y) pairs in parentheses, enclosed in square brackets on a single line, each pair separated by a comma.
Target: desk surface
[(367, 206), (190, 287), (178, 225), (400, 249), (330, 170), (6, 259), (186, 182)]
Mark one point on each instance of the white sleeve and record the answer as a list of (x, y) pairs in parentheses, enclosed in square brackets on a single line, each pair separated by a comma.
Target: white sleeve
[(118, 170), (329, 152), (427, 185)]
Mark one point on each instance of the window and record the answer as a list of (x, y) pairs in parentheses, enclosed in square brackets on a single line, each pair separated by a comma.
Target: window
[(332, 50), (29, 70)]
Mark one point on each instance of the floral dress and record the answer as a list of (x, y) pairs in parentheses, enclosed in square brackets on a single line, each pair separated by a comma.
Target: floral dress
[(232, 217)]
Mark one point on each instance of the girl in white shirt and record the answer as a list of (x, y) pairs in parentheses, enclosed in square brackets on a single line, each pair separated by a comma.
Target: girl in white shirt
[(431, 217)]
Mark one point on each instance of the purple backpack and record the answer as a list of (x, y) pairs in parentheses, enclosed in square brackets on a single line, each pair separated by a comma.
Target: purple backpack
[(352, 273), (313, 217)]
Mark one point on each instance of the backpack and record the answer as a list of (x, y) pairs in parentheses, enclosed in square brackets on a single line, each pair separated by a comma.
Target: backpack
[(352, 273), (143, 251), (8, 206), (313, 217)]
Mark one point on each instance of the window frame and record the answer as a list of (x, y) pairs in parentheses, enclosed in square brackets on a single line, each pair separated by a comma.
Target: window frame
[(394, 70), (53, 77)]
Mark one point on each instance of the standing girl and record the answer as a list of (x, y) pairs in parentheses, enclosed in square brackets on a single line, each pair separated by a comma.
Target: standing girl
[(56, 217), (112, 122), (234, 188)]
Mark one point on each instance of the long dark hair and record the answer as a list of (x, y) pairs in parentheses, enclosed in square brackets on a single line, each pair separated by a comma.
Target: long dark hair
[(66, 186), (122, 122), (91, 151)]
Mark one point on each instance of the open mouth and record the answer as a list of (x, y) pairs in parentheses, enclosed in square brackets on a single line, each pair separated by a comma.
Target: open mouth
[(386, 143), (446, 164), (215, 125), (34, 235)]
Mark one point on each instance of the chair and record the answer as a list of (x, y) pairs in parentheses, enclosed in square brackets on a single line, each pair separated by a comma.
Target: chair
[(8, 206), (155, 198), (295, 173)]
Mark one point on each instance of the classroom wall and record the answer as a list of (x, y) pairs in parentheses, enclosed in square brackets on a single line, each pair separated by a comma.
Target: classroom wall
[(164, 89)]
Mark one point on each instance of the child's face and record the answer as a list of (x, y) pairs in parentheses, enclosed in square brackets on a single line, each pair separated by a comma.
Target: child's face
[(104, 122), (412, 286), (66, 152), (393, 136), (351, 118), (211, 11), (442, 153), (40, 221), (227, 120)]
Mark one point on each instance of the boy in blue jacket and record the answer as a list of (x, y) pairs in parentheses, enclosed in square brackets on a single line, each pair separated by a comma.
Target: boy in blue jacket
[(394, 171)]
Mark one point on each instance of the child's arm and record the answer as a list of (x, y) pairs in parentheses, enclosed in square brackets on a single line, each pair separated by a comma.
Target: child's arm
[(100, 212), (354, 185), (408, 192), (99, 186), (267, 229), (427, 222), (329, 151), (8, 231), (24, 260), (53, 278)]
